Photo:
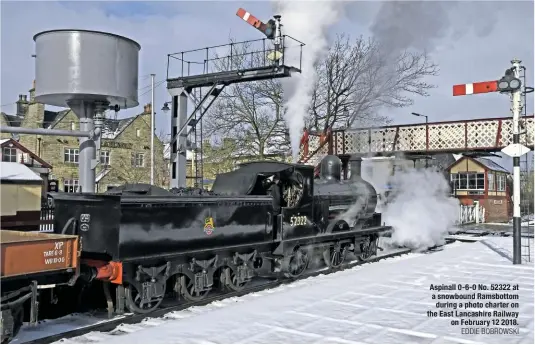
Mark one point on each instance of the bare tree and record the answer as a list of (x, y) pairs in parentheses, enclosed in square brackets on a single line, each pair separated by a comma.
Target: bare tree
[(252, 112), (356, 80), (219, 157)]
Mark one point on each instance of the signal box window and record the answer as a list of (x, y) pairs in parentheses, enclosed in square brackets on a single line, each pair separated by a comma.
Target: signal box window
[(71, 155), (9, 154), (501, 182), (491, 181), (468, 181), (70, 186)]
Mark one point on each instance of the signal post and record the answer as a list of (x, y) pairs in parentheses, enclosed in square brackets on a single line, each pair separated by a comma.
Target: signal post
[(510, 84)]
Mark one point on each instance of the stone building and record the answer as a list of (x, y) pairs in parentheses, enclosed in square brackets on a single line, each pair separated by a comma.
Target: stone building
[(217, 159), (125, 147)]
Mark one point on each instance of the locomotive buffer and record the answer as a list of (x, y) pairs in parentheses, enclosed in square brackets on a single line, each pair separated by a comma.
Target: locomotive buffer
[(205, 69)]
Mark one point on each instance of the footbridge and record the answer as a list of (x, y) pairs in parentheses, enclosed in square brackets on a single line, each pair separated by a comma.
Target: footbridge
[(481, 135)]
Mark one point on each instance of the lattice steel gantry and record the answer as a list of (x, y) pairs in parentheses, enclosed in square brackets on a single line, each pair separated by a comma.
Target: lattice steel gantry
[(275, 56)]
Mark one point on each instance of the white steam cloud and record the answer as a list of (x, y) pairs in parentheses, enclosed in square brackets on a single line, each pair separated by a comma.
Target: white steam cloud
[(421, 212), (307, 21)]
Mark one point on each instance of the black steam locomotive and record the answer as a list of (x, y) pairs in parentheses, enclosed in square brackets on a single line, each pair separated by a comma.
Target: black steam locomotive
[(149, 241)]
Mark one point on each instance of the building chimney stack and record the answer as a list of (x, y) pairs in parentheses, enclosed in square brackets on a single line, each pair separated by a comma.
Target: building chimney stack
[(22, 105), (147, 108)]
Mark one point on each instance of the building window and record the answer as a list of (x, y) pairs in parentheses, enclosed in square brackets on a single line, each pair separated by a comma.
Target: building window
[(138, 160), (73, 127), (138, 132), (105, 157), (491, 181), (500, 179), (468, 181), (70, 186), (9, 154), (71, 155)]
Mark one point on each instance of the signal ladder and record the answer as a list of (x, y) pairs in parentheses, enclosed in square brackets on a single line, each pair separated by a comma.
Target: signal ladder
[(195, 132)]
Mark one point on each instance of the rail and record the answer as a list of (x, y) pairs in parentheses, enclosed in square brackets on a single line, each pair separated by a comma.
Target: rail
[(110, 325)]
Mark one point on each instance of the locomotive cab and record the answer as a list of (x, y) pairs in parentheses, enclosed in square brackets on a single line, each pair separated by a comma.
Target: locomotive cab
[(296, 216)]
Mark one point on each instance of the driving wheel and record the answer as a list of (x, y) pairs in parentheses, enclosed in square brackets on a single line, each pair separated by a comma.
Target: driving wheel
[(368, 248), (334, 255), (298, 263)]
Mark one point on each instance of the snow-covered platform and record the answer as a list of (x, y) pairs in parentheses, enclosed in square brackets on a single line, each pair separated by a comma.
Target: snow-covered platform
[(383, 302)]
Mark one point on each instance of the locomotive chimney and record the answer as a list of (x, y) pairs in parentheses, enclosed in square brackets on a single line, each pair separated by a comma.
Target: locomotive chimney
[(355, 166)]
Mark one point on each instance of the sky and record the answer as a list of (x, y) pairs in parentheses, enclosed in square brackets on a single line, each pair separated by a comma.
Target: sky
[(470, 41)]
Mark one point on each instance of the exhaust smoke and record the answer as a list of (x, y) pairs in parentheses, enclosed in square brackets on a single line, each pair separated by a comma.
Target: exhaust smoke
[(309, 21)]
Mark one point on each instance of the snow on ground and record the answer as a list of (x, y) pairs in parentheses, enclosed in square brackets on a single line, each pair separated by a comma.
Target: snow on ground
[(383, 302), (63, 324)]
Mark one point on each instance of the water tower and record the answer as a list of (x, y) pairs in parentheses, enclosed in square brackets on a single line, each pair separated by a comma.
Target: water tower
[(89, 72)]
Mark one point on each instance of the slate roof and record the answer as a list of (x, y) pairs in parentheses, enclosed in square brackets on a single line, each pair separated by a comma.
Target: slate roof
[(491, 165), (12, 120)]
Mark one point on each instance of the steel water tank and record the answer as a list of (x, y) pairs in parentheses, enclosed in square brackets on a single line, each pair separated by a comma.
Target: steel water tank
[(86, 65)]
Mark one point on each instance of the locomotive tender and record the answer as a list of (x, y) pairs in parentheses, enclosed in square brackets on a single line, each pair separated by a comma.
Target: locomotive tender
[(149, 241)]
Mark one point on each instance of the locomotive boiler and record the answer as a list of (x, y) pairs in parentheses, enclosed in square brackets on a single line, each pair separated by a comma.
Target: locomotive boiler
[(149, 242)]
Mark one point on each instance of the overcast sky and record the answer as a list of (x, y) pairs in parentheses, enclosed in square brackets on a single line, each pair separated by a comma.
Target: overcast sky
[(470, 41)]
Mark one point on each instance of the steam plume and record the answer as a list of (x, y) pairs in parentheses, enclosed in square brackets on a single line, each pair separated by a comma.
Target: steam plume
[(307, 21), (421, 212), (422, 25)]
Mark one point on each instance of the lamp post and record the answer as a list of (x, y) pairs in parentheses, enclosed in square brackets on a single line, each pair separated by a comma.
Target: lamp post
[(165, 108), (152, 132), (426, 136)]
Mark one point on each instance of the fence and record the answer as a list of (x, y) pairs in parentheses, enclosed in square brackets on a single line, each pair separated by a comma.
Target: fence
[(471, 214), (46, 223)]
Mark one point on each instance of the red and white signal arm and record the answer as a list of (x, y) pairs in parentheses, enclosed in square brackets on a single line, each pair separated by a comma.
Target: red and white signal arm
[(475, 88)]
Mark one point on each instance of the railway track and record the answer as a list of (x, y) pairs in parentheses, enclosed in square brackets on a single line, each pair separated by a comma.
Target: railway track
[(110, 325)]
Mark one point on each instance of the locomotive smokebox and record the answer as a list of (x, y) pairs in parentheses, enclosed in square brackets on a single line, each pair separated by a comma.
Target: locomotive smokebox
[(355, 166), (331, 168)]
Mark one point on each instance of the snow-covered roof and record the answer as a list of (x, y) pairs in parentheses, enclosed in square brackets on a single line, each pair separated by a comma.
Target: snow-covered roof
[(17, 172), (111, 128), (102, 174), (3, 141)]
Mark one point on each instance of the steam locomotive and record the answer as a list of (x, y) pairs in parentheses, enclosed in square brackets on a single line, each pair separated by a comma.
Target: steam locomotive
[(148, 242)]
